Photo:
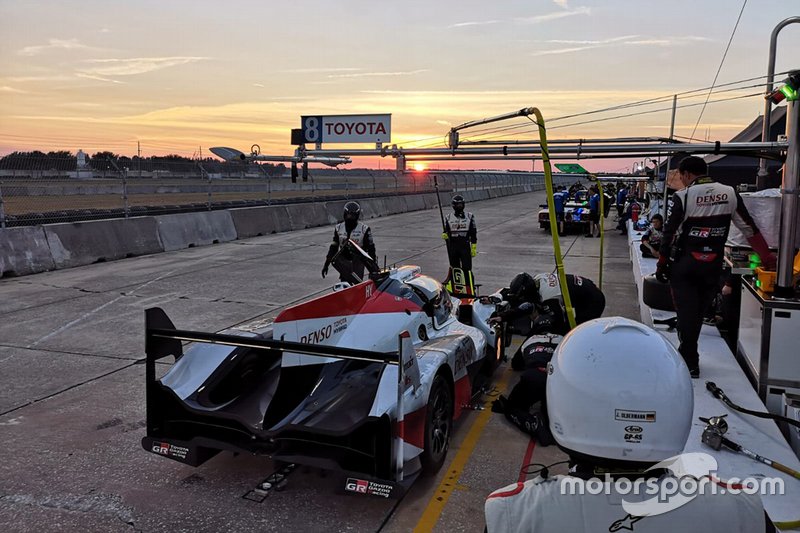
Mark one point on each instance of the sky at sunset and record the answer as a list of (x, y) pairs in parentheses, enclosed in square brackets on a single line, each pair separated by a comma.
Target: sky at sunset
[(179, 75)]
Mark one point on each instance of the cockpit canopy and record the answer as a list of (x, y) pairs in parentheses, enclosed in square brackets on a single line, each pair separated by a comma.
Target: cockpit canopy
[(436, 301)]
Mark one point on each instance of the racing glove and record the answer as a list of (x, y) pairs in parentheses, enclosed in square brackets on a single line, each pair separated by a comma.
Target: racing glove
[(663, 270), (473, 249), (444, 235), (768, 259)]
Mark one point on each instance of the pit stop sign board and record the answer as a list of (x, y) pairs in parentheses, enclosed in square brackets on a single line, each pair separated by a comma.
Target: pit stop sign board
[(346, 128)]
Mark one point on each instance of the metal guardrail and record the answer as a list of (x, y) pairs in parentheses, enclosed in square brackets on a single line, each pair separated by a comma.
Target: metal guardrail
[(47, 189)]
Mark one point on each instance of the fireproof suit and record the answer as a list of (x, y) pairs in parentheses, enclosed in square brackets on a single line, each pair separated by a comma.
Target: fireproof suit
[(555, 504), (360, 234), (462, 233), (587, 300), (691, 253)]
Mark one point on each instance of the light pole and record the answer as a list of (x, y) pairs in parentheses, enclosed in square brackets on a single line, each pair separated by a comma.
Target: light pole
[(761, 178)]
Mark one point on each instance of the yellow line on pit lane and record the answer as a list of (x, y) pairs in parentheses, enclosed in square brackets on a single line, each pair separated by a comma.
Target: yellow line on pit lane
[(450, 481)]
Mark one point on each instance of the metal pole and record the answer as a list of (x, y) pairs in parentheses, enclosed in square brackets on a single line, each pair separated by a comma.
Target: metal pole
[(2, 209), (761, 178), (784, 285), (126, 206), (669, 158), (508, 142), (631, 150), (208, 200)]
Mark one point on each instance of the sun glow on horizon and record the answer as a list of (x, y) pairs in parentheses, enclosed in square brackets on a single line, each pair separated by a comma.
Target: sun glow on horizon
[(419, 167)]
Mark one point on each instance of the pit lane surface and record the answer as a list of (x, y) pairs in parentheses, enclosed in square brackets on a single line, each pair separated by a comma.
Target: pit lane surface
[(72, 386)]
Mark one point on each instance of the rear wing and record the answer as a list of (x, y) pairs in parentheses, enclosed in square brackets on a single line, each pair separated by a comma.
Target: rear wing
[(162, 339)]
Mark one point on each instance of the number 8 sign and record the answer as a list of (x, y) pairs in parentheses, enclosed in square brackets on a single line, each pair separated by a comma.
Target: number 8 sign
[(312, 129)]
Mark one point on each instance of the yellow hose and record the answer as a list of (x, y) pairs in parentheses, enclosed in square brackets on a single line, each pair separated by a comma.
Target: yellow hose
[(548, 182), (794, 524)]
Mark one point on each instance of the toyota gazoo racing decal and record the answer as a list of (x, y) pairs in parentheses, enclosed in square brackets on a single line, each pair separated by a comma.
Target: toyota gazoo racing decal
[(363, 486)]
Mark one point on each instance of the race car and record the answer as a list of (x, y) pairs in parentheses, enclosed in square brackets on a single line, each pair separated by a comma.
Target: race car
[(366, 380), (576, 212)]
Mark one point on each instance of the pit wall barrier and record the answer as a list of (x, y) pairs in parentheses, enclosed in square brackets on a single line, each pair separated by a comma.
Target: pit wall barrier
[(28, 250)]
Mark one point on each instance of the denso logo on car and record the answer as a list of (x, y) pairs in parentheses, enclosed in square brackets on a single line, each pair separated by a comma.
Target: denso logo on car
[(318, 336)]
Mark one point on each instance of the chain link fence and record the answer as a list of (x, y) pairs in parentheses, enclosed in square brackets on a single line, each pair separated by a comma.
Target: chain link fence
[(46, 188)]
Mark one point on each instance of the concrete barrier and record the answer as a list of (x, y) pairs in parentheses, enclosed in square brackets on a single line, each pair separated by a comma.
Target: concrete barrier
[(430, 200), (379, 205), (32, 249), (415, 203), (186, 230), (255, 221), (395, 204), (23, 251), (370, 208), (309, 215), (84, 243), (335, 210)]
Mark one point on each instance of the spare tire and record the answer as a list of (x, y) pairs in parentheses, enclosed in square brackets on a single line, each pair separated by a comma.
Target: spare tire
[(657, 295)]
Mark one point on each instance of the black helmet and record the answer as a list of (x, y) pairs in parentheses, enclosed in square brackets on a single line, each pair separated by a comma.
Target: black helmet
[(458, 202), (351, 211), (523, 287)]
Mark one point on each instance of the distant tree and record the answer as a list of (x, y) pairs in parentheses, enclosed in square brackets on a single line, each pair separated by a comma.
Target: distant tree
[(103, 160)]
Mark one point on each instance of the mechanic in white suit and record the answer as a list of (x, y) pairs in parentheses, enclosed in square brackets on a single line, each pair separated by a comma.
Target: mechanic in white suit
[(358, 232), (620, 399)]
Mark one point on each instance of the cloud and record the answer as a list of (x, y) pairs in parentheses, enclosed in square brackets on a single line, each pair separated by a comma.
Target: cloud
[(561, 3), (473, 23), (601, 41), (379, 74), (317, 70), (547, 17), (54, 44), (627, 40), (7, 89), (259, 85), (133, 66), (25, 79), (94, 77), (558, 51), (444, 123)]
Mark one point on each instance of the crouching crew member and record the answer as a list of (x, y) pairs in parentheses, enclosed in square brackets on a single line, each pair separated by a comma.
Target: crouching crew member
[(532, 359), (620, 401), (462, 234), (356, 231), (539, 297)]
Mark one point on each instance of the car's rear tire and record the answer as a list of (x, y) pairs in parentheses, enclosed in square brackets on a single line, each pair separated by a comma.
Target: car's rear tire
[(438, 424)]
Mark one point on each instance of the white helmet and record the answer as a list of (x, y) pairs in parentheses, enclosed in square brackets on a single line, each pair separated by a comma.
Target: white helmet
[(618, 391)]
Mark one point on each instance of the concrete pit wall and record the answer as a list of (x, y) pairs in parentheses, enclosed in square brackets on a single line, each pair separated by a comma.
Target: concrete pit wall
[(32, 249)]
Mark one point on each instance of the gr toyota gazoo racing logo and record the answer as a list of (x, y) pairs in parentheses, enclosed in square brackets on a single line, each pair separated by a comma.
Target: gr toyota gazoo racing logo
[(362, 486), (170, 450)]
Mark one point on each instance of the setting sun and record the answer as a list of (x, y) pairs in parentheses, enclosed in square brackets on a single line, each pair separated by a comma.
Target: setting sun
[(419, 167)]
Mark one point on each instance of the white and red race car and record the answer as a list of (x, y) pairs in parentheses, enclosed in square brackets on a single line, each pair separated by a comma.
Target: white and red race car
[(366, 380)]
